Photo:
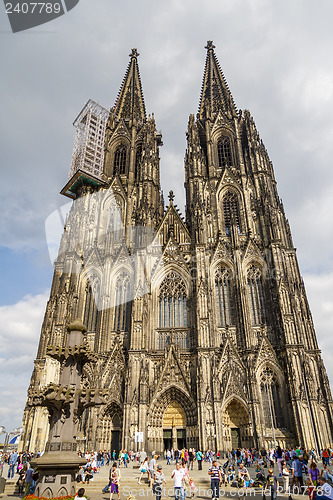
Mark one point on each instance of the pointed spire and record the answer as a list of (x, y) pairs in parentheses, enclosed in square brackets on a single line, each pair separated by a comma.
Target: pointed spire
[(130, 102), (215, 93)]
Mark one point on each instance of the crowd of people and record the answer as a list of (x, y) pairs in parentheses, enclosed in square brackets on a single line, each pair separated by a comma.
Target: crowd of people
[(298, 470)]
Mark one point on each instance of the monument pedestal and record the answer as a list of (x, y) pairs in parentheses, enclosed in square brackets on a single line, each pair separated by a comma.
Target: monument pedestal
[(57, 473)]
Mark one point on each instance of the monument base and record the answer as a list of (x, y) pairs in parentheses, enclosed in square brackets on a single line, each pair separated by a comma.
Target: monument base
[(57, 474)]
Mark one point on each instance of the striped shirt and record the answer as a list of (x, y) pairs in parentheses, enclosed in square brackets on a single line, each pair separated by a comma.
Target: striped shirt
[(215, 472)]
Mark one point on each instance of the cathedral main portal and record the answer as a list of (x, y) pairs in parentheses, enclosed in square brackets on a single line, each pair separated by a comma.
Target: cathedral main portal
[(174, 427), (173, 421)]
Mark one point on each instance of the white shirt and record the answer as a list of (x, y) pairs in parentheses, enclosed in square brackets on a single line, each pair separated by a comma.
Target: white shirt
[(327, 490), (152, 464), (178, 476)]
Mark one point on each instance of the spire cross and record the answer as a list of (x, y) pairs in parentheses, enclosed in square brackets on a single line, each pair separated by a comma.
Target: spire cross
[(210, 46), (134, 53), (171, 196)]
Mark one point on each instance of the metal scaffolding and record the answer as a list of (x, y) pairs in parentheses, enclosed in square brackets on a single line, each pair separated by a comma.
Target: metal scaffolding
[(88, 152)]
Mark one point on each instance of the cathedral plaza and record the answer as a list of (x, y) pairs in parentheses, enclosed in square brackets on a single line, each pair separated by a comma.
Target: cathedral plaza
[(197, 328)]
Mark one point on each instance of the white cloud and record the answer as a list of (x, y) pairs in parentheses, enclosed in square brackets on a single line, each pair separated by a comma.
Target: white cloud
[(320, 295), (20, 326)]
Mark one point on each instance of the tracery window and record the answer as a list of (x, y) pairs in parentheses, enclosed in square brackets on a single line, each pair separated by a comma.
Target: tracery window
[(231, 211), (138, 157), (172, 302), (272, 403), (91, 302), (256, 295), (224, 152), (123, 304), (119, 163), (223, 297)]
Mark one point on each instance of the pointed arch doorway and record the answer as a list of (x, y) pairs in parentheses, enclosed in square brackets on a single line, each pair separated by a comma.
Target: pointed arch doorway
[(174, 427), (237, 425)]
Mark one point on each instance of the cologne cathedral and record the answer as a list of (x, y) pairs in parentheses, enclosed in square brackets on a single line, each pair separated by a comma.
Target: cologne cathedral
[(200, 325)]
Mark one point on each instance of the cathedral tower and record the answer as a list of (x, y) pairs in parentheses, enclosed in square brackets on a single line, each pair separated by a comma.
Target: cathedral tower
[(201, 327)]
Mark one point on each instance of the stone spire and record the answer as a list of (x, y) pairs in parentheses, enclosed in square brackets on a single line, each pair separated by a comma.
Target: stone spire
[(130, 103), (215, 93)]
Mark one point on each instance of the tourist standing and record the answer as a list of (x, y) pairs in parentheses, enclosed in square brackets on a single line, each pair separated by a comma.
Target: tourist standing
[(296, 468), (272, 483), (215, 479), (177, 475), (199, 459), (279, 459), (285, 477), (115, 481), (159, 479)]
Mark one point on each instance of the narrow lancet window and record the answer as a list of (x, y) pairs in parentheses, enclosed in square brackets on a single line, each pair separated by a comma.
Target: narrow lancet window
[(123, 303), (119, 164), (223, 297), (256, 295), (224, 152), (231, 212)]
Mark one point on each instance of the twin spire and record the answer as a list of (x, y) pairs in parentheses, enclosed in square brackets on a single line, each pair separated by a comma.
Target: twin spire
[(130, 103), (215, 93)]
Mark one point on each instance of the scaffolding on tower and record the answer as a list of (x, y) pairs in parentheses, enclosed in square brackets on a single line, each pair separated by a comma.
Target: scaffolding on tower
[(88, 152)]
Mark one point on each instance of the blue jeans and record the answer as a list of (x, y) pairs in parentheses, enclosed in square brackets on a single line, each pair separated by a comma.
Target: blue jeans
[(215, 487), (179, 492), (107, 487), (168, 460), (11, 471), (32, 487)]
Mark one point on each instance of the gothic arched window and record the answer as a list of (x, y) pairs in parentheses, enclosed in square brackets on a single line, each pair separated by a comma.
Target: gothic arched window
[(224, 152), (256, 295), (272, 403), (119, 163), (138, 156), (91, 301), (172, 302), (223, 297), (231, 211), (123, 304)]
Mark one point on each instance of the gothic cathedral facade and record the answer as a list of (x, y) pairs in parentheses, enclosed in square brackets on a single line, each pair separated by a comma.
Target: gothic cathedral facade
[(201, 326)]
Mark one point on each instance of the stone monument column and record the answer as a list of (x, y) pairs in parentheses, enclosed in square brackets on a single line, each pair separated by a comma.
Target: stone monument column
[(65, 401)]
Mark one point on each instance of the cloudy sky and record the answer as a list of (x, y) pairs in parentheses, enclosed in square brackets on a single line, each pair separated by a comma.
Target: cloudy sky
[(277, 59)]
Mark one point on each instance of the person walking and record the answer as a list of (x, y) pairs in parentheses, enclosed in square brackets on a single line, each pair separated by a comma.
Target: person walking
[(115, 481), (12, 462), (272, 483), (285, 477), (177, 475), (199, 459), (296, 469), (215, 479), (144, 469), (159, 479), (112, 469), (279, 458)]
